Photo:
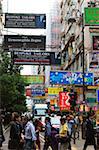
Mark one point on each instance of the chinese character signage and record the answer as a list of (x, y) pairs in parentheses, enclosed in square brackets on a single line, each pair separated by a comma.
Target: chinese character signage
[(54, 90), (37, 92), (64, 100), (92, 16), (69, 78), (33, 79), (13, 20)]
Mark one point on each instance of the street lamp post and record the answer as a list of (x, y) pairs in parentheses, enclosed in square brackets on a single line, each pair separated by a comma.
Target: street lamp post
[(83, 67)]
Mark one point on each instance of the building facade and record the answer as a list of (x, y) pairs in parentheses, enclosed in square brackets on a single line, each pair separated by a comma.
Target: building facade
[(77, 39)]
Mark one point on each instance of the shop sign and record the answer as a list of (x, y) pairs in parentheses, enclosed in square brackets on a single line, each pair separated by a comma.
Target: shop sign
[(34, 79), (92, 87), (98, 96), (15, 20), (37, 92), (24, 42), (28, 92), (35, 58), (54, 90), (69, 78), (64, 100), (91, 16)]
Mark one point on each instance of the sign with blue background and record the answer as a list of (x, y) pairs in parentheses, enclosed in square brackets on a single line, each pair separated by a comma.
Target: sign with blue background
[(97, 95), (69, 78), (37, 92)]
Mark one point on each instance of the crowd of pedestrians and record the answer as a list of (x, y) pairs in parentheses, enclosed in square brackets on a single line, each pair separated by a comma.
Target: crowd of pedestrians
[(24, 133)]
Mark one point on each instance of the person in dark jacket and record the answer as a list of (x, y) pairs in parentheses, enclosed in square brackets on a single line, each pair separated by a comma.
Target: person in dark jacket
[(47, 133), (90, 136), (15, 133)]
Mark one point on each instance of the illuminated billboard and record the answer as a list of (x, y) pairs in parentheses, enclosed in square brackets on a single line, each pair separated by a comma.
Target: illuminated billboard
[(69, 78)]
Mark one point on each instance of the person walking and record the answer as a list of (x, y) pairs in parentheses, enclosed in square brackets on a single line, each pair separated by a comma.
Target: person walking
[(37, 130), (15, 133), (30, 135), (2, 138), (90, 135), (47, 133), (63, 135)]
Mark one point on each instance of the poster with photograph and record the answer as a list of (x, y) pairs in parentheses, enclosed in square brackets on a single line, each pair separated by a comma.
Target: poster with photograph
[(95, 42), (94, 60)]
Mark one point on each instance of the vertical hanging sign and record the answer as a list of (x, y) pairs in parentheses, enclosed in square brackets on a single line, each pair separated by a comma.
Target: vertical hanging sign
[(98, 95), (64, 100)]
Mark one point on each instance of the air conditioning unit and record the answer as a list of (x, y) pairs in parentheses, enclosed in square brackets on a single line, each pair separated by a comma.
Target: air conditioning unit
[(71, 19)]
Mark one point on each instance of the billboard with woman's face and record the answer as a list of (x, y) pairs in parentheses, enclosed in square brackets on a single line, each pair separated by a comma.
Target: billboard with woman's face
[(96, 43)]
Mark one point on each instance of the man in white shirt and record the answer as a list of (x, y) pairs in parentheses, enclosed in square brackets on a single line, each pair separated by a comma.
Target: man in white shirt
[(30, 135)]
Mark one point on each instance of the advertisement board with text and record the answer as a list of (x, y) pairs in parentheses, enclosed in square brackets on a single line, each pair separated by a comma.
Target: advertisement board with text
[(34, 79), (24, 42), (35, 58), (64, 100), (15, 20), (91, 16)]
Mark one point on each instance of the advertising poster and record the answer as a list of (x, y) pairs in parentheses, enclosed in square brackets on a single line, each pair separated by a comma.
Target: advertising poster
[(94, 60), (64, 100), (69, 78), (95, 43)]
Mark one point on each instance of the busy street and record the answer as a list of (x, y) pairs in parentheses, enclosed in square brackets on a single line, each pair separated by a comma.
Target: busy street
[(49, 74), (77, 146)]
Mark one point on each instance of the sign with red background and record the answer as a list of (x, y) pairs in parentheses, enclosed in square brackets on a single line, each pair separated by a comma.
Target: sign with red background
[(64, 100)]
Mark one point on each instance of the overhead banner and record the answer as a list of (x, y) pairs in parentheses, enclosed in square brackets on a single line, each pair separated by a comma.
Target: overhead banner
[(64, 100), (95, 42), (69, 78), (91, 16), (34, 58), (54, 90), (24, 42), (34, 79), (15, 20)]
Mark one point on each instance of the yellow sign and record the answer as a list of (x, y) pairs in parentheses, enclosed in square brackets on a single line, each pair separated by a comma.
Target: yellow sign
[(40, 97), (54, 90), (53, 101), (93, 87)]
